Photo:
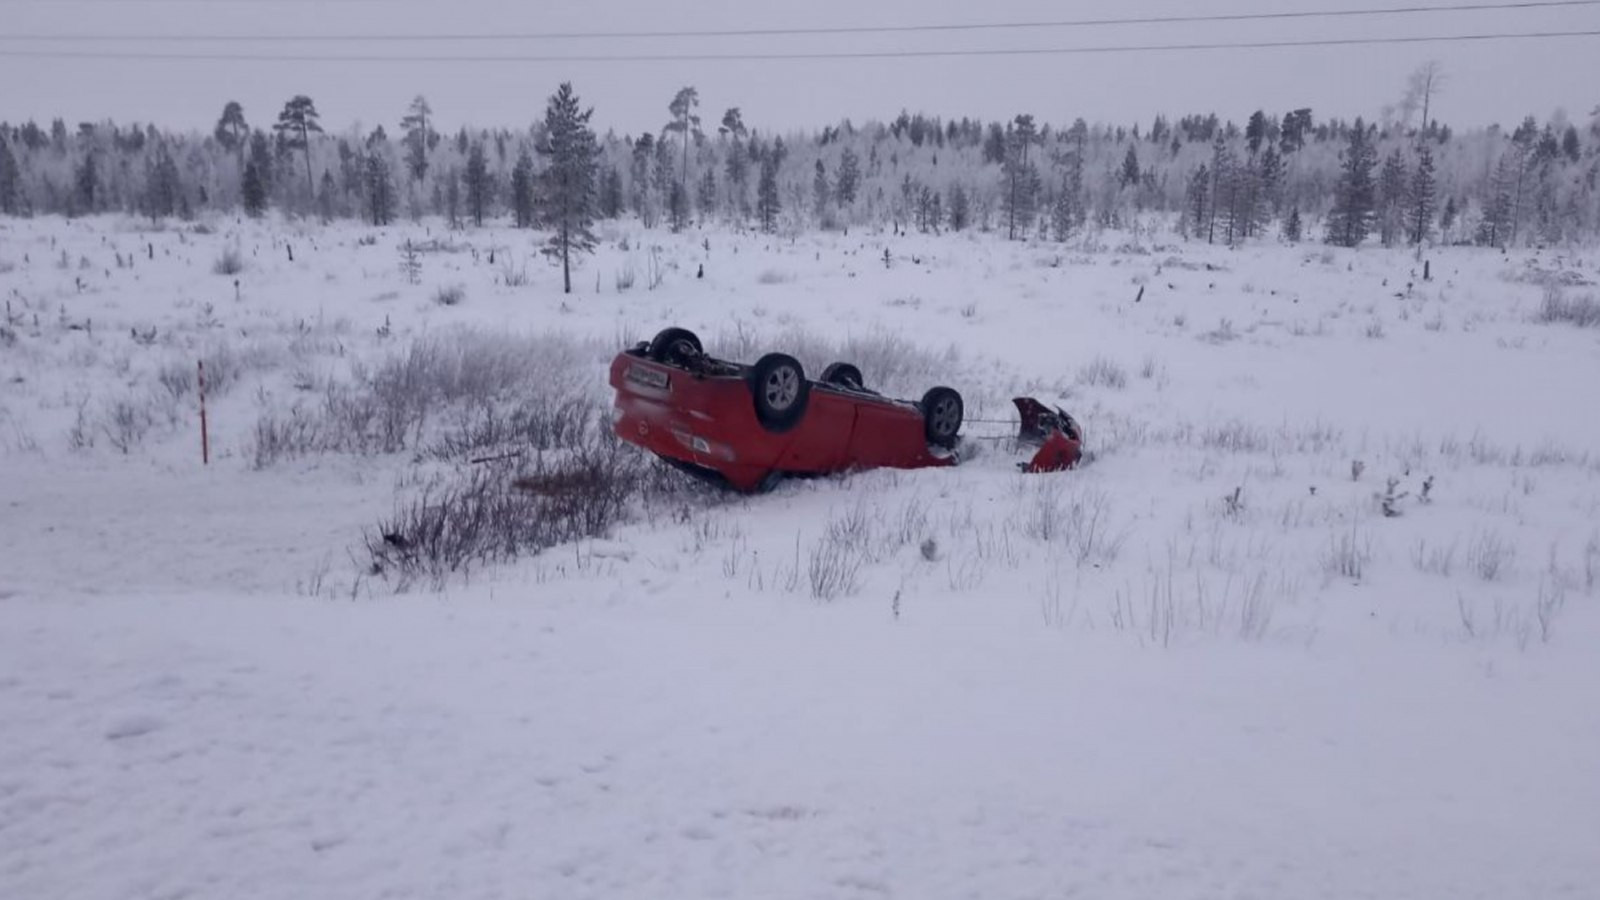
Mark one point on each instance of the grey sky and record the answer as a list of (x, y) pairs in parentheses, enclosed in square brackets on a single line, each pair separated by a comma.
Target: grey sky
[(1486, 82)]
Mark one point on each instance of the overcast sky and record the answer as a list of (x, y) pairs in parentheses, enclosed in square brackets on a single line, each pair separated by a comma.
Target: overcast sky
[(1487, 81)]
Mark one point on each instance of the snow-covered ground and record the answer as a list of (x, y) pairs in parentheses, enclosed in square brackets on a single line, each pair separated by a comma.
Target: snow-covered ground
[(1207, 664)]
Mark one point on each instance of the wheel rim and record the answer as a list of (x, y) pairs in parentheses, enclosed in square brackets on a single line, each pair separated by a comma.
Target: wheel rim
[(781, 389), (946, 417)]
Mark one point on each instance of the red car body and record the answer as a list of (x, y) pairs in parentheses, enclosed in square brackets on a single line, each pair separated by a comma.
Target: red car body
[(703, 418)]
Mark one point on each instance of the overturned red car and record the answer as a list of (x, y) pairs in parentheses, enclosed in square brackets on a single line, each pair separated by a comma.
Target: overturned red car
[(747, 426)]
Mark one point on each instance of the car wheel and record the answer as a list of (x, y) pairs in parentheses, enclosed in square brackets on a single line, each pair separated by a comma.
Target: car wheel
[(781, 392), (675, 345), (843, 375), (942, 410)]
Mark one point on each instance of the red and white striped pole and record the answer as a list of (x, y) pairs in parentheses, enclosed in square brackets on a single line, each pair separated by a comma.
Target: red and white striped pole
[(205, 436)]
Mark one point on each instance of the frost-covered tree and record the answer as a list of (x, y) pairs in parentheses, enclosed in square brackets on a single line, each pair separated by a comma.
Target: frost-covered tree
[(231, 131), (960, 208), (568, 190), (1295, 130), (1223, 181), (1423, 195), (611, 196), (163, 186), (768, 205), (480, 189), (379, 189), (295, 125), (1392, 197), (1197, 205), (684, 122), (737, 161), (1497, 228), (253, 188), (1130, 167), (1271, 173), (1350, 220), (10, 180), (1020, 177), (821, 192), (848, 180), (1448, 215), (1292, 227), (644, 193), (327, 197), (1255, 131), (419, 136), (522, 190), (705, 194), (87, 180)]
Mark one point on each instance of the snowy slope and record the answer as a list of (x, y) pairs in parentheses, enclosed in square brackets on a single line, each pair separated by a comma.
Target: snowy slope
[(1112, 683)]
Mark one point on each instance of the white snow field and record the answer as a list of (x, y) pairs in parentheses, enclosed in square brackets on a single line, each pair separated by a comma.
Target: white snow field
[(1207, 664)]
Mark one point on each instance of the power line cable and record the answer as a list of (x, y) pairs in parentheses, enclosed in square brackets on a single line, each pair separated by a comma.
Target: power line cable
[(763, 57), (1519, 5)]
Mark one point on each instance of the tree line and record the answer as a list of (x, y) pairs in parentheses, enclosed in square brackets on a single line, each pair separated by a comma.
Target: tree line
[(1286, 176)]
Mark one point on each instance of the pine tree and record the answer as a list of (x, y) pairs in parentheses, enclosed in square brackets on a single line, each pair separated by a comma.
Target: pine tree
[(1350, 220), (706, 193), (295, 125), (380, 189), (522, 190), (163, 187), (737, 164), (821, 192), (231, 131), (1130, 167), (848, 180), (1424, 188), (611, 201), (1197, 209), (1223, 180), (253, 189), (568, 192), (261, 154), (452, 197), (677, 207), (1271, 175), (1021, 179), (1071, 199), (1447, 218), (1062, 219), (1495, 229), (419, 137), (767, 203), (960, 208), (1291, 227), (327, 199), (478, 187), (88, 183), (1237, 200), (1255, 131), (10, 180), (685, 122), (644, 153), (1392, 183)]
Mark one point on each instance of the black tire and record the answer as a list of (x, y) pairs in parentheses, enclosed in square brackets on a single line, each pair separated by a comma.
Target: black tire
[(781, 392), (843, 375), (942, 411), (675, 345)]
